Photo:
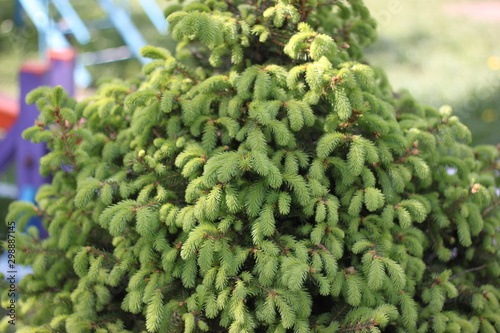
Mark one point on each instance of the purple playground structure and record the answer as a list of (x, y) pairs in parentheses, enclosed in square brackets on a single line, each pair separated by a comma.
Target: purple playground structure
[(58, 70)]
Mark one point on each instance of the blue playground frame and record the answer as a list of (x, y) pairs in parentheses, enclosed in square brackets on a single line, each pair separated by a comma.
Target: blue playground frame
[(52, 36)]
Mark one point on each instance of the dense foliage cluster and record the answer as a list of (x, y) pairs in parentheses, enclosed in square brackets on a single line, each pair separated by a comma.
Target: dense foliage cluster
[(265, 179)]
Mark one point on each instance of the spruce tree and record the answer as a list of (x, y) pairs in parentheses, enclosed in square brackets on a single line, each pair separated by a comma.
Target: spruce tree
[(263, 179)]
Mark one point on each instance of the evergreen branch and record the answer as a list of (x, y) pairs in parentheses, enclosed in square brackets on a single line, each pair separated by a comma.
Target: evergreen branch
[(490, 208), (156, 133), (280, 35), (97, 324), (408, 153), (494, 166), (64, 130), (340, 312), (43, 213), (102, 254), (284, 250), (222, 93), (187, 74), (277, 41), (304, 13), (141, 162), (456, 205), (26, 249), (151, 203), (272, 292), (233, 9), (322, 247), (356, 114), (111, 133), (360, 326), (468, 271), (166, 287)]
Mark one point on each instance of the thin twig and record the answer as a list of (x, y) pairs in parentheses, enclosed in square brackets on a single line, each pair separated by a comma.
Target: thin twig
[(338, 313), (468, 271), (489, 209)]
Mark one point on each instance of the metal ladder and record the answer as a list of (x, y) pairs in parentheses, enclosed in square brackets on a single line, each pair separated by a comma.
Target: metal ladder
[(51, 35)]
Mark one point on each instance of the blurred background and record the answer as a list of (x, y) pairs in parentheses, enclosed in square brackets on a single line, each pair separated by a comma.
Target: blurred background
[(444, 52), (19, 42)]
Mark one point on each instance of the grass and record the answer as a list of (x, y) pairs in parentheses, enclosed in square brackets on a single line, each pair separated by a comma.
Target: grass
[(442, 58)]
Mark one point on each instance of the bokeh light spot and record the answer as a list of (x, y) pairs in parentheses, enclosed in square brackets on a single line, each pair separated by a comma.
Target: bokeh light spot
[(6, 26), (489, 115), (493, 63)]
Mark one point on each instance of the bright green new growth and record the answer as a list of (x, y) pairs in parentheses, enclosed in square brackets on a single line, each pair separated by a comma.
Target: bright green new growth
[(274, 184)]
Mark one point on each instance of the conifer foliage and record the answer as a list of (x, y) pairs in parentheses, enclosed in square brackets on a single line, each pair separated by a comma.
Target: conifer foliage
[(265, 179)]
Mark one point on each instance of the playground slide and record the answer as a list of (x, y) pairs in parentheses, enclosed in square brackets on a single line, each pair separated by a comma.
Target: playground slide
[(9, 110)]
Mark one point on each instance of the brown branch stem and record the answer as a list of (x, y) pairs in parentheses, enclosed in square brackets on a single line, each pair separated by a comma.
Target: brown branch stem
[(468, 271), (490, 208)]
